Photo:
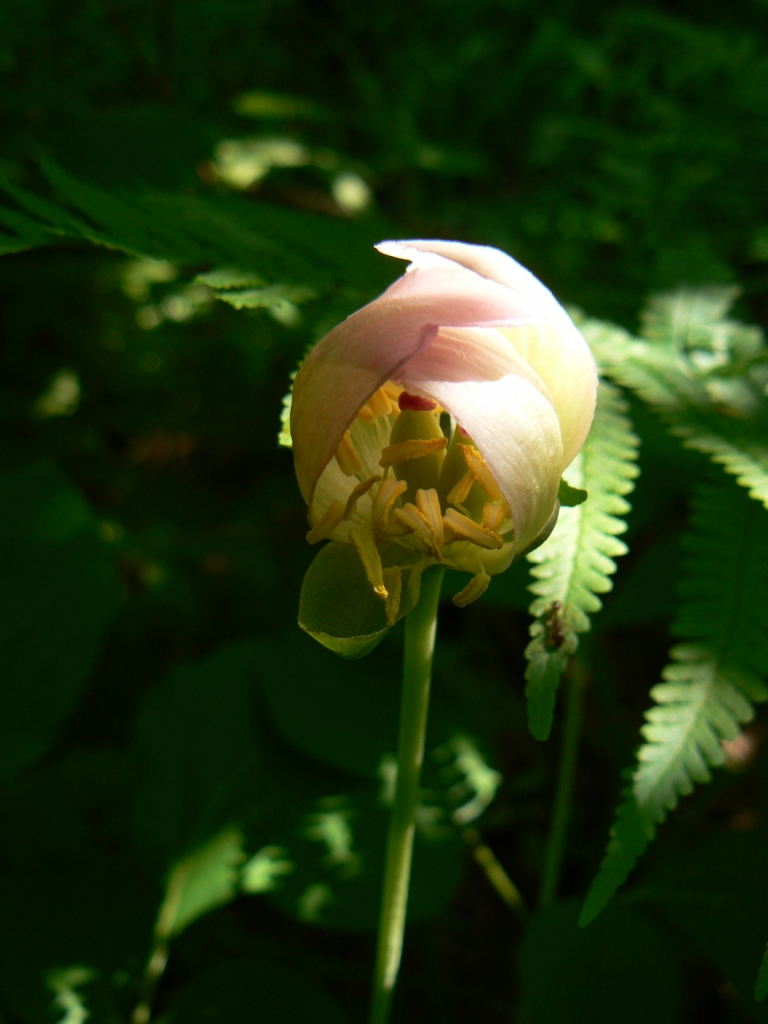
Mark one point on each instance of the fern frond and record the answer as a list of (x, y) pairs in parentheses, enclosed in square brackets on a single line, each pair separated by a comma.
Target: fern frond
[(704, 374), (266, 244), (576, 563), (711, 682)]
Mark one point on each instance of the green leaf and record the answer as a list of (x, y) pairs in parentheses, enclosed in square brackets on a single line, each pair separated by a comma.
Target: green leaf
[(330, 709), (204, 879), (58, 594), (716, 892), (338, 606), (199, 760), (252, 990), (336, 847), (761, 986), (623, 969), (705, 375), (62, 911), (576, 563), (711, 682)]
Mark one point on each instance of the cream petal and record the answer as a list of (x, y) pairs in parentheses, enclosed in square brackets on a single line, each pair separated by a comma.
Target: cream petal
[(369, 347), (562, 360), (514, 426)]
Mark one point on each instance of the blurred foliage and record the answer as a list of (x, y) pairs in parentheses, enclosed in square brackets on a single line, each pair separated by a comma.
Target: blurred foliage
[(193, 794)]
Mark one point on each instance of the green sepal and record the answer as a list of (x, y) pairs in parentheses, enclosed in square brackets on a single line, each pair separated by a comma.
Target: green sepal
[(570, 496), (338, 606)]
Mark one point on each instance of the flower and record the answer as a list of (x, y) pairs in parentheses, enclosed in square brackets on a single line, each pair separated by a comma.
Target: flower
[(434, 424)]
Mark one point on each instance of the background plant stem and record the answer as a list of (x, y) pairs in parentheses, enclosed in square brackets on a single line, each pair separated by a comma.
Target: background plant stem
[(561, 811), (420, 629)]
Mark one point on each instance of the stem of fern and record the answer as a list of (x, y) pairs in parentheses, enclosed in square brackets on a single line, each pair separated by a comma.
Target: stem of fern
[(420, 629), (561, 811)]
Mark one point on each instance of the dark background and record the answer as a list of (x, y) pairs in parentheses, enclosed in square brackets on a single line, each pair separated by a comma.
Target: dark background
[(159, 694)]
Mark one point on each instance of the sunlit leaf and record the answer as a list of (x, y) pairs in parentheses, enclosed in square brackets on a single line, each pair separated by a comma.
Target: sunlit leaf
[(206, 878)]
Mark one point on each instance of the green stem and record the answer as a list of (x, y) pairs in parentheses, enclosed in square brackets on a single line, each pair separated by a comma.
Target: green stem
[(489, 863), (420, 629), (561, 811)]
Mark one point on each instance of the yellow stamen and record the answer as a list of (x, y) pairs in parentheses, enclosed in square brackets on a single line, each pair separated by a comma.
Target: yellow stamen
[(392, 391), (327, 523), (415, 448), (393, 580), (386, 496), (428, 504), (365, 543), (347, 457), (358, 492), (410, 516), (366, 414), (464, 528), (492, 516), (460, 492), (379, 403), (483, 475), (476, 587)]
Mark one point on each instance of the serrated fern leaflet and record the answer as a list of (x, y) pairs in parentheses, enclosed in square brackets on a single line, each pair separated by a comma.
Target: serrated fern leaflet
[(576, 563), (707, 377), (253, 247), (711, 681)]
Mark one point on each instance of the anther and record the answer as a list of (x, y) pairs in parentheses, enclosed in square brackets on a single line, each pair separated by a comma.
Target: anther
[(415, 403), (327, 523), (411, 517), (366, 414), (415, 448), (379, 403), (483, 475), (393, 581), (492, 516), (347, 457), (460, 491), (476, 587), (428, 505), (387, 494), (365, 544), (357, 493), (464, 528)]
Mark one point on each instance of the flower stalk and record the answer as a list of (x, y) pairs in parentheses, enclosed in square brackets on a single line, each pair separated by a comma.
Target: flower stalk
[(420, 630)]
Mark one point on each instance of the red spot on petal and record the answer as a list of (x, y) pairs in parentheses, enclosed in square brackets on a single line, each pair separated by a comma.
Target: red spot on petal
[(463, 432), (414, 403)]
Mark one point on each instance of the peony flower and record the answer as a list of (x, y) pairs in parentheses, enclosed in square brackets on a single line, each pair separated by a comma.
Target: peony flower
[(434, 424)]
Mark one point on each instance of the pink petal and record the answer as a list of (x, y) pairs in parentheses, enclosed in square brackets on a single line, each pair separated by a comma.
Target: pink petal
[(505, 408), (370, 347), (550, 342), (490, 263)]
